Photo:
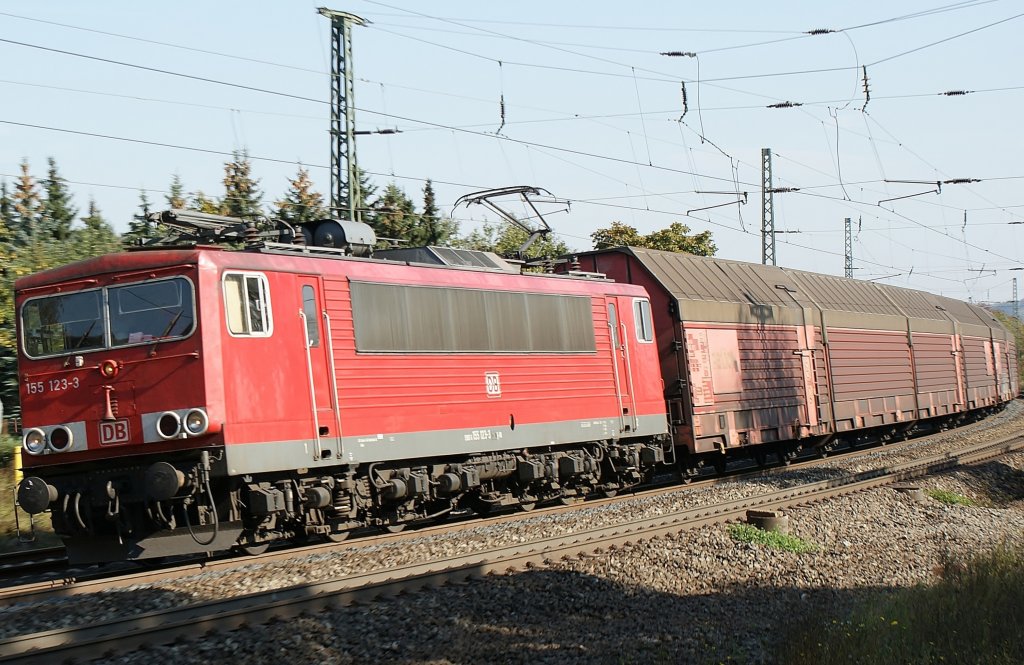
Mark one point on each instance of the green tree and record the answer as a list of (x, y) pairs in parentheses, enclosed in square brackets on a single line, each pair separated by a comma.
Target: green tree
[(176, 194), (395, 215), (97, 238), (242, 195), (40, 252), (433, 228), (203, 203), (616, 235), (58, 213), (301, 203), (8, 377), (27, 208), (139, 228), (505, 239), (364, 203), (6, 214), (675, 238)]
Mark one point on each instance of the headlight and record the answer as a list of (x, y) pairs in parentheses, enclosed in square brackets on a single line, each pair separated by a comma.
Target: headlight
[(61, 439), (196, 422), (34, 441), (169, 425)]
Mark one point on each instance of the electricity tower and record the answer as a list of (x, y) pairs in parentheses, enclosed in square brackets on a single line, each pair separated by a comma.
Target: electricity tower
[(345, 194)]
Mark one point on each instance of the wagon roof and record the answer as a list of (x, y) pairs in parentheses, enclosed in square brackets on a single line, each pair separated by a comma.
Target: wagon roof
[(692, 280)]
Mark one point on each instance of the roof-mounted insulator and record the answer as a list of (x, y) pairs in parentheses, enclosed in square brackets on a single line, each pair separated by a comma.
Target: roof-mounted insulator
[(820, 31), (867, 88), (956, 93), (785, 105)]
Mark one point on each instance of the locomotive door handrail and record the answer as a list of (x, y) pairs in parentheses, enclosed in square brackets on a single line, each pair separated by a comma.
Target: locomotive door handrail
[(629, 376), (312, 387), (334, 376), (613, 321)]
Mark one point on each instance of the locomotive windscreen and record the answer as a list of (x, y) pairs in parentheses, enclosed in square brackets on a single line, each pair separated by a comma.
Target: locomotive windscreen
[(398, 318), (107, 317)]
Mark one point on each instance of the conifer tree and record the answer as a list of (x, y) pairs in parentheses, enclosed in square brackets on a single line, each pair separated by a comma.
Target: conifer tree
[(140, 227), (6, 212), (58, 213), (364, 203), (202, 203), (395, 216), (176, 196), (301, 203), (242, 196), (434, 229), (27, 207), (97, 237)]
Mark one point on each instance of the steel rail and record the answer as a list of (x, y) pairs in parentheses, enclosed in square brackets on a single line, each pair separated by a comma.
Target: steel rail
[(188, 622)]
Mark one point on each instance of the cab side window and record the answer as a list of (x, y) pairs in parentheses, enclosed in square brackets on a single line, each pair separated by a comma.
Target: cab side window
[(642, 318), (309, 313), (247, 304)]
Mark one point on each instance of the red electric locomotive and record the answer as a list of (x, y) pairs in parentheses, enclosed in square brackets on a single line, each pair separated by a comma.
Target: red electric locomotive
[(189, 400)]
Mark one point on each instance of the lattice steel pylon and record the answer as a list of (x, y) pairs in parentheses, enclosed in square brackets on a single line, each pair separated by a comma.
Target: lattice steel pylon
[(767, 209), (848, 252), (345, 192)]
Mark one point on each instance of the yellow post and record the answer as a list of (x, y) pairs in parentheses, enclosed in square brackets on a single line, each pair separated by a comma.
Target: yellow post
[(17, 465)]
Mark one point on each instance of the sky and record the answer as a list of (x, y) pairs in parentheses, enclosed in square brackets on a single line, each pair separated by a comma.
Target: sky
[(577, 98)]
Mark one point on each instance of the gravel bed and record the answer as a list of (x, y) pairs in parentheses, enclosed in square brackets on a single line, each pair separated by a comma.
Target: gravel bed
[(698, 595)]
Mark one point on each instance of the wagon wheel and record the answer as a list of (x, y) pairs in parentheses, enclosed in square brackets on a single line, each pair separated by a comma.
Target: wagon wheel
[(720, 463), (760, 458)]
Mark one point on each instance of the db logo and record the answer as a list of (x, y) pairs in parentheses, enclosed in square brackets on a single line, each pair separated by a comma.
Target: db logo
[(493, 384), (114, 432)]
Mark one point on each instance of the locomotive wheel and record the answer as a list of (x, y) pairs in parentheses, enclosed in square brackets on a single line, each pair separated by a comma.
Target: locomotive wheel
[(569, 500), (610, 494), (527, 506), (337, 537), (255, 550), (395, 528)]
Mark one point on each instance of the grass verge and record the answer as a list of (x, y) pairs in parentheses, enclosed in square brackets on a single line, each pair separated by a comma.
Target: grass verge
[(950, 498), (971, 616), (746, 533)]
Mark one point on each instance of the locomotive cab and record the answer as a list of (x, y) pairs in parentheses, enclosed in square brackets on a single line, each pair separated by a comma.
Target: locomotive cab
[(112, 382)]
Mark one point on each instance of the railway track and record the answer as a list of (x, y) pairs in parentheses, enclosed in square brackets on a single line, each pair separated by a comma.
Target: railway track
[(189, 621), (56, 580)]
